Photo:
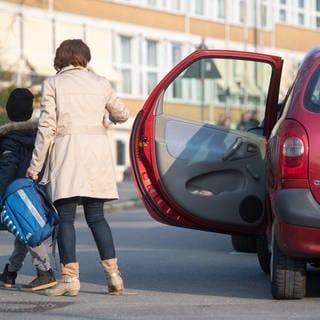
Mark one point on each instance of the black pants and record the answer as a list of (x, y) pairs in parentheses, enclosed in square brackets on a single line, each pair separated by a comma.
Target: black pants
[(93, 211)]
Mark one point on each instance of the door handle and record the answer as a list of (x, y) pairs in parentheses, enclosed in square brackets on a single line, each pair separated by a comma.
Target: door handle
[(252, 148), (233, 148)]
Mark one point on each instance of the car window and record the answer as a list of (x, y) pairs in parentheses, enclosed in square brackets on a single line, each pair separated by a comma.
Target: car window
[(283, 106), (312, 95), (220, 91)]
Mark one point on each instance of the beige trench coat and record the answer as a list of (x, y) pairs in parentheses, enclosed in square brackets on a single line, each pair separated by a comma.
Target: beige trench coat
[(72, 136)]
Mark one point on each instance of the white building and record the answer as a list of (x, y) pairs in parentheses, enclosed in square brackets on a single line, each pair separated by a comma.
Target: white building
[(135, 42)]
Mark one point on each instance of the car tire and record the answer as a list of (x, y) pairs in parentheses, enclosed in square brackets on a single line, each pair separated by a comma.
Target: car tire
[(288, 275), (263, 253), (244, 243)]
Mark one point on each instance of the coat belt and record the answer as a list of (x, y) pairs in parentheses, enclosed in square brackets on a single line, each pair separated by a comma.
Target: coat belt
[(91, 130)]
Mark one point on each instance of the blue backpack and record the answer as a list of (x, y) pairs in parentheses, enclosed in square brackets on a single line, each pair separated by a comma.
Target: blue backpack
[(27, 212)]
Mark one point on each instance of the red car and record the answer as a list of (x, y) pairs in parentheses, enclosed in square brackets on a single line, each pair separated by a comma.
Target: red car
[(258, 180)]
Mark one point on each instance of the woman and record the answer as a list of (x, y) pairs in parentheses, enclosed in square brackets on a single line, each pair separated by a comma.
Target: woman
[(76, 108)]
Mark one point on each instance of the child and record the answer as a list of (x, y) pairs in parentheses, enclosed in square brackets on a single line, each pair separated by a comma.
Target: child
[(16, 145)]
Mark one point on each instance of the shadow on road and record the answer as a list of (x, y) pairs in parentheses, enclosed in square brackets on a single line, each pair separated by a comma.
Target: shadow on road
[(156, 257)]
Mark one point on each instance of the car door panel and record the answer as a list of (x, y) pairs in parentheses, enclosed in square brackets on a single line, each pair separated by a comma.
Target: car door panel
[(189, 170), (202, 165)]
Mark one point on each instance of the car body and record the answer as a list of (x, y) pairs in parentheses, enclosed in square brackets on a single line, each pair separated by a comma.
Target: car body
[(260, 183)]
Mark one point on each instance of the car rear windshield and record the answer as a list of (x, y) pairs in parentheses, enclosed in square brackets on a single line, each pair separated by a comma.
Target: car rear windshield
[(312, 95)]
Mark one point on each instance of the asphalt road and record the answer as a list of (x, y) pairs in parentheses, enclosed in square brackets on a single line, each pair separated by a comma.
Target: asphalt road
[(169, 273)]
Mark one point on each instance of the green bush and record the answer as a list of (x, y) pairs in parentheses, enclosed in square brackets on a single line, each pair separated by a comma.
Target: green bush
[(4, 94)]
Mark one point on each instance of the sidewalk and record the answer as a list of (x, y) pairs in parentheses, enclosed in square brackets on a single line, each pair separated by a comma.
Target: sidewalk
[(128, 199)]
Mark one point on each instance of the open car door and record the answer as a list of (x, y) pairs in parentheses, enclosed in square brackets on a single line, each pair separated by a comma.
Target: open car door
[(192, 171)]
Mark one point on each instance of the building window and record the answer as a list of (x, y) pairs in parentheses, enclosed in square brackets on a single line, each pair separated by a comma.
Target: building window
[(221, 9), (282, 15), (176, 53), (125, 43), (301, 4), (149, 67), (175, 4), (318, 22), (242, 11), (301, 19), (283, 1), (152, 79), (124, 64), (152, 3), (264, 15), (176, 57), (199, 7), (152, 59), (126, 83), (121, 153), (318, 5)]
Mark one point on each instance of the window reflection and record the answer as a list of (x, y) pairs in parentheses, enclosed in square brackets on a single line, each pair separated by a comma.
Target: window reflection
[(212, 89)]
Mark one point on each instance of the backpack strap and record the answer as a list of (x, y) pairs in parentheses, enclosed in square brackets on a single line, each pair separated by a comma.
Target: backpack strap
[(53, 246), (54, 236)]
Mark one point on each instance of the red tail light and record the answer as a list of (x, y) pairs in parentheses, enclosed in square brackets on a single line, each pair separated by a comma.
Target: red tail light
[(293, 153)]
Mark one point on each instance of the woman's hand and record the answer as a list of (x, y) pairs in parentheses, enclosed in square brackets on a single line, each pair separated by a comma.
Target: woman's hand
[(107, 122), (34, 175)]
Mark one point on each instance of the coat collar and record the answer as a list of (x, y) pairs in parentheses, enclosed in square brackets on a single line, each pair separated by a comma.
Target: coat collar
[(71, 67), (21, 125)]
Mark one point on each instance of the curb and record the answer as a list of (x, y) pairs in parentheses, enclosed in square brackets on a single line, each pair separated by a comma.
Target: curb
[(117, 206), (122, 205)]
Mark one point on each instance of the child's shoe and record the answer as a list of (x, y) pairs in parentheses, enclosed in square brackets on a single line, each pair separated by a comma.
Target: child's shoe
[(7, 277), (44, 280)]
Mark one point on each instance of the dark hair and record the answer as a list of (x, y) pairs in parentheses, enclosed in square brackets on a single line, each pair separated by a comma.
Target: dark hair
[(72, 52)]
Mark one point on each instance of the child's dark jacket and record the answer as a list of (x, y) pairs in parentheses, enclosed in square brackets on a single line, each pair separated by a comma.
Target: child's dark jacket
[(16, 146)]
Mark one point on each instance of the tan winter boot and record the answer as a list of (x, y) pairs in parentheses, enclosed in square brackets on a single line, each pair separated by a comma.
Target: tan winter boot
[(69, 284), (115, 282)]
